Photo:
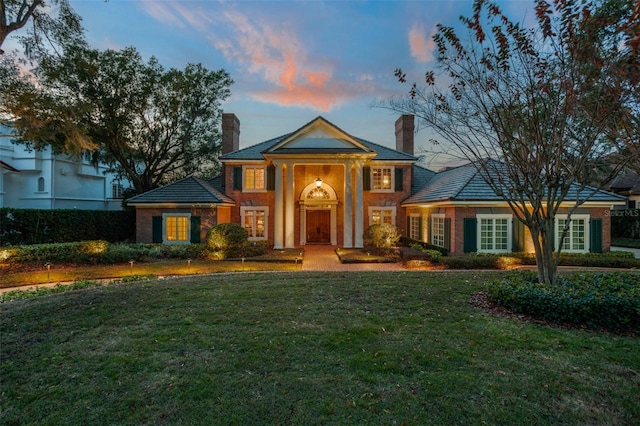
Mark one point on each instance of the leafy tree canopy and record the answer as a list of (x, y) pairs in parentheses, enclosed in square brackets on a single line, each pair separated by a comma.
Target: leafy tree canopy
[(152, 124), (555, 104)]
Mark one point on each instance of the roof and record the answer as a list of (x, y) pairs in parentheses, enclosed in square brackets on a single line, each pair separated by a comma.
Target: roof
[(190, 190), (419, 176), (256, 152), (628, 181), (465, 183)]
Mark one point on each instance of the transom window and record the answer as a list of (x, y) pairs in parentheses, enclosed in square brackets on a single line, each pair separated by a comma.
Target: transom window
[(176, 228), (381, 178), (437, 230), (494, 233), (254, 178), (254, 220), (577, 235), (380, 215)]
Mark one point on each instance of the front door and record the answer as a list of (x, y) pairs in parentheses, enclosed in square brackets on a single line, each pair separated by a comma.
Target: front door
[(318, 226)]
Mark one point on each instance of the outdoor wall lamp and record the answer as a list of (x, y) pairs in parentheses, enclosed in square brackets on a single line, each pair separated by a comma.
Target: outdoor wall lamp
[(318, 182)]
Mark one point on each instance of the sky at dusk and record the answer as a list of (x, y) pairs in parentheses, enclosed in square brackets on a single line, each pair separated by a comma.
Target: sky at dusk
[(291, 61)]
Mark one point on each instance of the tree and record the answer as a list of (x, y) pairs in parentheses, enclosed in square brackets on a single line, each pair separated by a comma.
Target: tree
[(538, 111), (54, 21), (152, 125)]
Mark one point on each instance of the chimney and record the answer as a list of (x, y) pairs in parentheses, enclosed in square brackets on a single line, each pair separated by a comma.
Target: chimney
[(404, 134), (230, 133)]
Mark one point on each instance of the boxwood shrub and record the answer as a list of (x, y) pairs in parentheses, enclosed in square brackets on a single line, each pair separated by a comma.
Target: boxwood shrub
[(600, 300)]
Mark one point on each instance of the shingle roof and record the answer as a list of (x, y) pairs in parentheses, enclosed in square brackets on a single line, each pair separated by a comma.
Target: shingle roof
[(255, 152), (189, 190), (465, 183), (419, 177)]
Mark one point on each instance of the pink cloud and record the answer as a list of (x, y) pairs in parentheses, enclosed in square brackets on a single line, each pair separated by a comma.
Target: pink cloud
[(277, 55), (421, 46)]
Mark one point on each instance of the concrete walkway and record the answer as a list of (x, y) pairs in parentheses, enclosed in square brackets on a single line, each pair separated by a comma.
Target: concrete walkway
[(324, 258)]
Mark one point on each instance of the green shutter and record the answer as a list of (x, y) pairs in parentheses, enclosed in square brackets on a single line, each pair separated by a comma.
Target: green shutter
[(366, 178), (271, 178), (595, 236), (428, 233), (399, 181), (195, 229), (518, 236), (447, 233), (156, 229), (470, 228), (237, 178)]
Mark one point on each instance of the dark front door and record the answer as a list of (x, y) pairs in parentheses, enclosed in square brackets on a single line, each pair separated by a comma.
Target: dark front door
[(318, 226)]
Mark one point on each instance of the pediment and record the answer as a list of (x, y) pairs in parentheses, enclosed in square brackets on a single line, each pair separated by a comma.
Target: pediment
[(319, 136)]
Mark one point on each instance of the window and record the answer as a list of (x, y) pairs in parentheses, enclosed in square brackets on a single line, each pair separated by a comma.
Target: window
[(380, 215), (494, 233), (382, 178), (40, 184), (254, 179), (176, 228), (414, 227), (116, 190), (437, 230), (577, 237), (254, 220)]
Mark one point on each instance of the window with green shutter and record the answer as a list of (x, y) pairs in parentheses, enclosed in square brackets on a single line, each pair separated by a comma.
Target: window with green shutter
[(595, 236), (237, 178), (195, 229), (470, 229), (399, 183)]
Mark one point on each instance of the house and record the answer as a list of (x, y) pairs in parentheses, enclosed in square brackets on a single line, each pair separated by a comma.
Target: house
[(31, 179), (627, 183), (321, 185)]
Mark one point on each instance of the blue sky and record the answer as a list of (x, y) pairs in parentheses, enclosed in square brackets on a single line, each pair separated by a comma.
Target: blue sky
[(291, 60)]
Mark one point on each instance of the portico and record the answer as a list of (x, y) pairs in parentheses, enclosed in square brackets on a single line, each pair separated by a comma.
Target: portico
[(309, 192)]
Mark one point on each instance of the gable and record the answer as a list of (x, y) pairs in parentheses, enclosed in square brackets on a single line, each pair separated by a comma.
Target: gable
[(318, 136)]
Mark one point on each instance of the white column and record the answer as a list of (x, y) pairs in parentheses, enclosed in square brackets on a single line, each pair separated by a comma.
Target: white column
[(303, 225), (278, 216), (359, 219), (348, 223), (289, 208)]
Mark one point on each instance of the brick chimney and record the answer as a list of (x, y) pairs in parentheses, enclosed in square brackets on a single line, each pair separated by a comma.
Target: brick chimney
[(404, 134), (230, 133)]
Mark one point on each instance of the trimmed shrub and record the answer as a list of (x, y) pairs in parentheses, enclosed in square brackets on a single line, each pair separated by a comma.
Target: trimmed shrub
[(601, 300), (383, 236), (227, 240)]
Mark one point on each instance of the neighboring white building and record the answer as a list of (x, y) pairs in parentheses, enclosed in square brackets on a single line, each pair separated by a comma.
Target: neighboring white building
[(42, 180)]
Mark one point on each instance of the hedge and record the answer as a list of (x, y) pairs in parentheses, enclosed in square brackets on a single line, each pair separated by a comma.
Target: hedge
[(607, 300), (33, 226)]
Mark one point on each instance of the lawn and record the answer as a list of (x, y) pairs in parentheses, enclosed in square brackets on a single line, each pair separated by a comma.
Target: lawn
[(304, 348)]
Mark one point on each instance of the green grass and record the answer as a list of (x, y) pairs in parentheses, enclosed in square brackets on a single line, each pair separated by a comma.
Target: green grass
[(303, 348)]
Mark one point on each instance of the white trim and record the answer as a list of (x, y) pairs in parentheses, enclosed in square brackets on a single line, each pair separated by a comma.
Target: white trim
[(392, 178), (558, 231), (244, 209), (392, 209), (433, 229), (420, 226), (493, 217), (164, 228), (244, 180)]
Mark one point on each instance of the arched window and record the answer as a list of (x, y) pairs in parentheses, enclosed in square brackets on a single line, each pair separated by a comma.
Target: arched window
[(40, 184)]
